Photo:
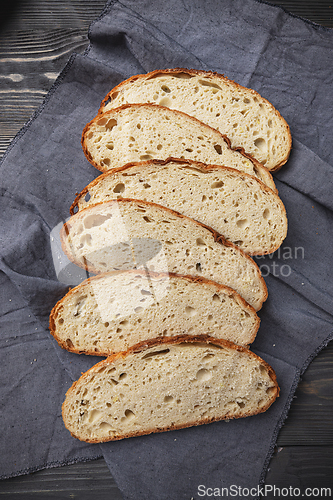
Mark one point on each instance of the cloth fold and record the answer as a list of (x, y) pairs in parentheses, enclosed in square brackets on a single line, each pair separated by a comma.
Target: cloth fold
[(288, 61)]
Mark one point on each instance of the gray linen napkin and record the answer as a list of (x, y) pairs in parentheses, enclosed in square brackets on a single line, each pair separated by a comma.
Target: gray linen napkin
[(288, 60)]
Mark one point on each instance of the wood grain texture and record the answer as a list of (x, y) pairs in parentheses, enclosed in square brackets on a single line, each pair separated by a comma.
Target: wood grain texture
[(310, 418), (36, 40), (319, 12), (82, 481)]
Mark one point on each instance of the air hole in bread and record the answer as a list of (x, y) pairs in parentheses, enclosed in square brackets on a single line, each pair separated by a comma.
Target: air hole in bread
[(85, 240), (241, 404), (145, 292), (241, 223), (87, 197), (198, 267), (69, 343), (111, 124), (190, 311), (184, 76), (216, 298), (156, 353), (217, 184), (203, 375), (114, 95), (260, 143), (165, 101), (165, 88), (94, 220), (94, 416), (112, 381), (110, 146), (266, 213), (168, 399), (200, 242), (129, 414), (119, 188), (208, 356), (246, 100), (146, 157), (147, 219), (102, 122), (104, 426), (206, 83), (218, 149), (80, 229)]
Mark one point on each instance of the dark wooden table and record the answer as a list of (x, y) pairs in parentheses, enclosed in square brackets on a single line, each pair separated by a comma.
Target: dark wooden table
[(36, 40)]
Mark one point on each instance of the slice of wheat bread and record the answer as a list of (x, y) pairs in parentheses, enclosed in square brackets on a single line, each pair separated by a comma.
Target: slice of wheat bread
[(111, 312), (243, 115), (125, 234), (166, 384), (136, 132), (235, 204)]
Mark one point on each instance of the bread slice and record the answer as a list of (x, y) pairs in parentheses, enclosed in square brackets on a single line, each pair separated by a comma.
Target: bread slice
[(136, 132), (249, 120), (235, 204), (125, 234), (111, 312), (165, 384)]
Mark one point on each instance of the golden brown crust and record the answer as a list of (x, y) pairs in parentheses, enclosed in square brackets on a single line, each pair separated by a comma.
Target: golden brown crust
[(194, 279), (113, 111), (142, 346), (219, 238), (206, 74)]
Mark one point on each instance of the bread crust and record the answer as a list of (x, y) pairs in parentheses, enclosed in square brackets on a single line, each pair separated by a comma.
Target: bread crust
[(218, 238), (257, 165), (206, 74), (142, 346), (194, 279)]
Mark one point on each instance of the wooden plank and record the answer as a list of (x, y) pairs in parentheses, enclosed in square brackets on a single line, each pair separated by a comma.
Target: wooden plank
[(30, 61), (32, 14), (310, 417), (301, 467), (320, 12), (292, 466), (82, 481)]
